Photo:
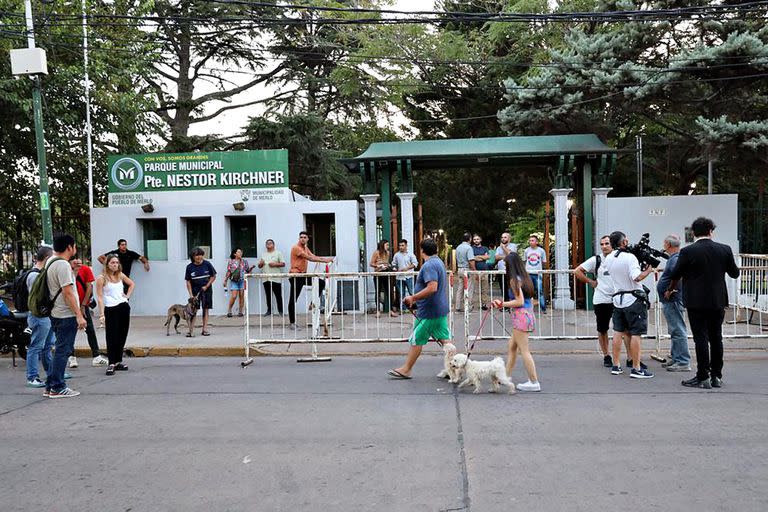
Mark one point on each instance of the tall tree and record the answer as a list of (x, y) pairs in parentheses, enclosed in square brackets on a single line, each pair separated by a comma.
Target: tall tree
[(119, 112)]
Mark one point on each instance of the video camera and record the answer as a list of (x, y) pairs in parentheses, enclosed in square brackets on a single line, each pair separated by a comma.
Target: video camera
[(646, 254)]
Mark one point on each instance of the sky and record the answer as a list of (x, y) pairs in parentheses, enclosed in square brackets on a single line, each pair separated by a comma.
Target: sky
[(232, 122)]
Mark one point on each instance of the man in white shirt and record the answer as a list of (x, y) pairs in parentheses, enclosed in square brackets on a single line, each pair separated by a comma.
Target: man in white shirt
[(602, 299), (404, 261), (535, 257), (630, 314), (505, 247), (272, 263)]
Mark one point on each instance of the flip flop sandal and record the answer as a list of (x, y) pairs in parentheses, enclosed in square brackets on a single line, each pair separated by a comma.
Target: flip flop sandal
[(397, 375)]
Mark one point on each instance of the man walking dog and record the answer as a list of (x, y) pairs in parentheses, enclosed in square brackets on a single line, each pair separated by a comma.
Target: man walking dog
[(432, 311)]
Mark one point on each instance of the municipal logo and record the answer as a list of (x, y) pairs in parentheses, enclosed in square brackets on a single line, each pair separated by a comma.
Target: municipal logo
[(127, 174)]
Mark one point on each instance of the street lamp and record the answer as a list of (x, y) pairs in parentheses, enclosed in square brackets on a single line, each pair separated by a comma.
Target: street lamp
[(32, 61)]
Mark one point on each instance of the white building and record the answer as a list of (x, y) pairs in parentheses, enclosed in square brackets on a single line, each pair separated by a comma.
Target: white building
[(165, 223)]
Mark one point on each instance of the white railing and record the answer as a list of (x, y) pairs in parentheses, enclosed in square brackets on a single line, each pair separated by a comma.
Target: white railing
[(349, 311)]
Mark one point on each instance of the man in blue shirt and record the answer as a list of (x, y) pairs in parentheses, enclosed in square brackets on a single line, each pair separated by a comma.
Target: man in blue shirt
[(673, 310), (431, 299), (465, 257)]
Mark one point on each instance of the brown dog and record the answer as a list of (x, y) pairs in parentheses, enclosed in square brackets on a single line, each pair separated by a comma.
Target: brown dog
[(187, 312)]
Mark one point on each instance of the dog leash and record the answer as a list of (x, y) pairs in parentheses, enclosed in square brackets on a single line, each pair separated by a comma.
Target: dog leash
[(482, 322)]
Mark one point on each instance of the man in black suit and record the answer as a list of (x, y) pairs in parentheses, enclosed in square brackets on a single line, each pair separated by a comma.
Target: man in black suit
[(703, 265)]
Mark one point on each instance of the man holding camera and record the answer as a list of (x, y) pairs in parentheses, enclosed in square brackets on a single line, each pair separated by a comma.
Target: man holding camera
[(630, 313), (703, 266)]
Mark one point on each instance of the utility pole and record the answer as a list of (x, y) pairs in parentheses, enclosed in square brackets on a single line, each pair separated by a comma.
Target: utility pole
[(45, 202)]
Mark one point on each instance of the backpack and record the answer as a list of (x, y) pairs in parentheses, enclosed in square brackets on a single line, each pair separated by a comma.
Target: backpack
[(39, 302), (20, 290), (598, 260)]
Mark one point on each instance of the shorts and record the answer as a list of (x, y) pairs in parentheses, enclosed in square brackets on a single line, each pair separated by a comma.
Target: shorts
[(523, 319), (603, 314), (426, 328), (206, 298), (632, 319), (236, 285)]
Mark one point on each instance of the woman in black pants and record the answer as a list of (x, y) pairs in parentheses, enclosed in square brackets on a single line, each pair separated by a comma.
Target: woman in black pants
[(114, 311)]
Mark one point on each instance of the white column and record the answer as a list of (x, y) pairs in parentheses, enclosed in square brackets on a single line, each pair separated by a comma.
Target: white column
[(600, 212), (370, 242), (406, 219), (562, 289), (370, 225)]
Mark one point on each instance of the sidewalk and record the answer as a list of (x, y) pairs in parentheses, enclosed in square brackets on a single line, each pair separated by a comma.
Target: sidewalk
[(147, 338)]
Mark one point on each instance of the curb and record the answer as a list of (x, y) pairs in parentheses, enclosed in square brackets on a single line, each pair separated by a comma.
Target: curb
[(238, 351)]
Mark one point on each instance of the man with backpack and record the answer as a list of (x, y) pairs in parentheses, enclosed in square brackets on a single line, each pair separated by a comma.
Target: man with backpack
[(53, 294), (602, 299), (42, 338), (84, 280)]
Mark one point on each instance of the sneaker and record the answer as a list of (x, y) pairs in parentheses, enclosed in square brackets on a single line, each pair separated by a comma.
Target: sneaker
[(292, 327), (35, 383), (529, 386), (67, 375), (678, 367), (47, 393), (72, 362), (99, 361), (697, 383), (616, 370), (716, 382), (630, 365), (120, 367), (64, 393), (607, 361), (640, 374), (111, 369)]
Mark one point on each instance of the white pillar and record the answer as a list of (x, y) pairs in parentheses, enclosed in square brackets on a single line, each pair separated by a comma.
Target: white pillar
[(600, 212), (406, 219), (370, 226), (562, 289), (370, 243)]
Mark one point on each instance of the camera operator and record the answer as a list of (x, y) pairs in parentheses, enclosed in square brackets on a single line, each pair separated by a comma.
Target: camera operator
[(630, 314)]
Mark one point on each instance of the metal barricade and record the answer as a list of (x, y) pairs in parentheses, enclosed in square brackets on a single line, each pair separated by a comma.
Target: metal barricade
[(354, 307)]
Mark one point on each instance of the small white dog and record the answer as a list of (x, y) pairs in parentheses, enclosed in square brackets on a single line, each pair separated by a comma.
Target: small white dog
[(476, 371), (449, 350)]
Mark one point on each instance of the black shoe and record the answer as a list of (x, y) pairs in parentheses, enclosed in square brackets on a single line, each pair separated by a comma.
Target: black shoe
[(607, 361), (697, 383), (120, 367), (268, 313), (716, 382), (111, 369), (630, 365)]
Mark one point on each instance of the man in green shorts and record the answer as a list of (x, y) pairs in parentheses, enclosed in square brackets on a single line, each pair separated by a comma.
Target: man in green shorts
[(431, 299)]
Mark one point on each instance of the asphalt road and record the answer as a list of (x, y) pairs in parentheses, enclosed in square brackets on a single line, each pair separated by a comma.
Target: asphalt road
[(201, 434)]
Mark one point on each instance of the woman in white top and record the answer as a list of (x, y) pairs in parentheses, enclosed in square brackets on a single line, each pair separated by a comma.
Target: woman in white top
[(114, 311)]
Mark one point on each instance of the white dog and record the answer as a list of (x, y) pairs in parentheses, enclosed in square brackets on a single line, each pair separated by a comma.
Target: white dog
[(479, 370), (449, 350)]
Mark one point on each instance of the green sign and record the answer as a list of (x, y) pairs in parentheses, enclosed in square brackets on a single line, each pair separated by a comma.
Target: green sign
[(219, 170)]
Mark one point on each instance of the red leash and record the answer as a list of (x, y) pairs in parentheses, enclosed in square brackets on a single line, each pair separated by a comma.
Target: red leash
[(482, 323)]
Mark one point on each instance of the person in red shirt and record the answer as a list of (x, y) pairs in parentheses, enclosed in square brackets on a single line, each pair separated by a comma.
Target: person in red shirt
[(84, 280)]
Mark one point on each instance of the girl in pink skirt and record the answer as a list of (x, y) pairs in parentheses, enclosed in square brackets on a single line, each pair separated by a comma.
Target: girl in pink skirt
[(520, 291)]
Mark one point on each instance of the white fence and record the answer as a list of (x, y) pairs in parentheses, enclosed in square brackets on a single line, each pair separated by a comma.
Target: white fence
[(355, 307)]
